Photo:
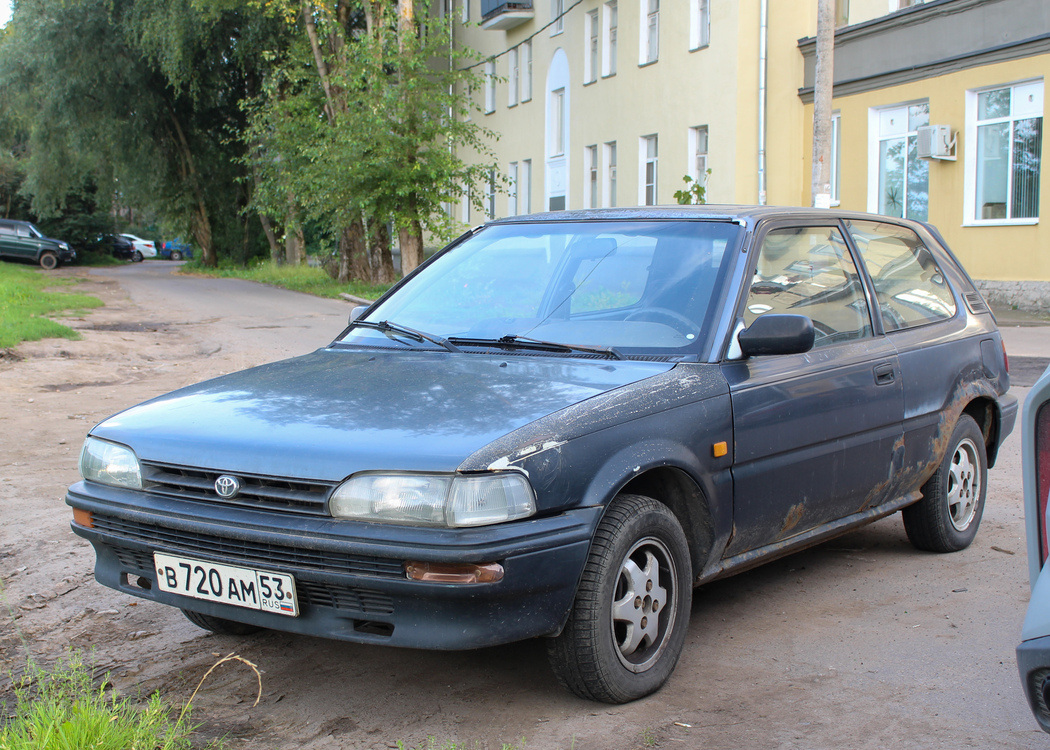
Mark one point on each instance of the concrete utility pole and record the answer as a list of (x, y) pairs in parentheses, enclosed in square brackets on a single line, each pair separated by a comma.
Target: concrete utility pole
[(821, 190)]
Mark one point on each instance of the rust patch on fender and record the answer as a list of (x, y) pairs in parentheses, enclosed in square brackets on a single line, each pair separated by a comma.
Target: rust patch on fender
[(793, 517)]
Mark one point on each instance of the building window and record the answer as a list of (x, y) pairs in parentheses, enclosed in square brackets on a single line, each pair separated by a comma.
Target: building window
[(699, 23), (649, 44), (490, 86), (464, 205), (903, 187), (609, 188), (590, 59), (697, 168), (557, 128), (525, 187), (590, 182), (609, 31), (490, 196), (512, 77), (648, 152), (512, 189), (1006, 124), (466, 11), (557, 11), (836, 156), (841, 13), (526, 70)]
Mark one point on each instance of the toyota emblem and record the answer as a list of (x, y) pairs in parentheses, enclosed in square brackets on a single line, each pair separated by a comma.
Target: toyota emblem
[(227, 487)]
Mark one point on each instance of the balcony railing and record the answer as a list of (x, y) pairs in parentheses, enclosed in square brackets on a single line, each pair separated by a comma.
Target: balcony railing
[(505, 14)]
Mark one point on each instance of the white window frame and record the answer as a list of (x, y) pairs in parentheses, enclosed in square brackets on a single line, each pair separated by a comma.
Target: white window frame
[(591, 54), (699, 24), (591, 184), (526, 71), (610, 24), (513, 75), (512, 189), (464, 205), (557, 16), (698, 139), (1031, 86), (644, 160), (490, 197), (876, 137), (556, 147), (525, 187), (609, 159), (649, 32), (465, 11), (490, 86), (836, 157)]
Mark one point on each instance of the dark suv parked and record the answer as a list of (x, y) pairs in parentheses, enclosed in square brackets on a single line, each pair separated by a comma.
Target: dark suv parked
[(20, 240)]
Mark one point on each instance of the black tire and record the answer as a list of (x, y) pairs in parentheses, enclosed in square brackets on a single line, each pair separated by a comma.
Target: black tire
[(136, 257), (219, 625), (639, 544), (48, 260), (947, 517), (176, 255)]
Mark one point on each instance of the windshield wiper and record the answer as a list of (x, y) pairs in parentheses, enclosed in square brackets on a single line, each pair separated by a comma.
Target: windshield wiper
[(525, 342), (387, 327)]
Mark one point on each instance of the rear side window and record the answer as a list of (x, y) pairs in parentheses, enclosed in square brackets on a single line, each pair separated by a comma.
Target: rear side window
[(910, 287), (809, 271), (8, 230)]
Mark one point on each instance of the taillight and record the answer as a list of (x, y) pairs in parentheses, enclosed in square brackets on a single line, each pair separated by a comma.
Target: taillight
[(1006, 360), (1042, 472)]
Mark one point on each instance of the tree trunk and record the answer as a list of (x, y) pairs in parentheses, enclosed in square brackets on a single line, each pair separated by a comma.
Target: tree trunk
[(381, 260), (352, 261), (411, 239), (822, 94), (271, 238)]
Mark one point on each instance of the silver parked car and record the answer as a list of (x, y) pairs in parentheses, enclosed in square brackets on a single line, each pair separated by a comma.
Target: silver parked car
[(1033, 655)]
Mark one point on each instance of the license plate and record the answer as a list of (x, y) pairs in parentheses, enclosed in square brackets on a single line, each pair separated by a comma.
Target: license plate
[(241, 587)]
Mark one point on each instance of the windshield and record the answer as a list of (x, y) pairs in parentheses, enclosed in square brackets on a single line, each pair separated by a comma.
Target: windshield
[(639, 287)]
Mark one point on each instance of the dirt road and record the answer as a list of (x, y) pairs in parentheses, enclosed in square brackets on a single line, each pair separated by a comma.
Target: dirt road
[(860, 643)]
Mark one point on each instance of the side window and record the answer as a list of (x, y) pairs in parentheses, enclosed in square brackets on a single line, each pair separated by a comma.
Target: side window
[(910, 287), (23, 232), (10, 231), (809, 271)]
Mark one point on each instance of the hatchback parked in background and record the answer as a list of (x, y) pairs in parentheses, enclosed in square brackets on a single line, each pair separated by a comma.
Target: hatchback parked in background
[(20, 240), (558, 426), (1033, 655), (141, 248)]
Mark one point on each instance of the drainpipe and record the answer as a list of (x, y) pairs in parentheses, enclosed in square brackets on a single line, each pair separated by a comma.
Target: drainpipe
[(763, 23)]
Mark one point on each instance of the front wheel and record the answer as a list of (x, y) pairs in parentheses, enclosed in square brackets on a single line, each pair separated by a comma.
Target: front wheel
[(947, 517), (48, 260), (219, 625), (629, 620), (176, 255)]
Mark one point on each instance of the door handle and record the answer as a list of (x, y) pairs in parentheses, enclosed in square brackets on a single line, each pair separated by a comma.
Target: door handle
[(885, 374)]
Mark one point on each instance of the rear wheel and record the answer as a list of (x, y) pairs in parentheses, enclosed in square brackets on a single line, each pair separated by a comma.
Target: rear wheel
[(629, 620), (219, 625), (48, 260), (947, 517), (176, 255), (136, 257)]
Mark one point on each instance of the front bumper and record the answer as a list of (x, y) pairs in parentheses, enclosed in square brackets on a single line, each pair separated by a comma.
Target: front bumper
[(349, 575)]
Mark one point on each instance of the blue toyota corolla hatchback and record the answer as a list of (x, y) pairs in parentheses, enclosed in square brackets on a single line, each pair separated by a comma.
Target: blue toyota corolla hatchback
[(557, 427)]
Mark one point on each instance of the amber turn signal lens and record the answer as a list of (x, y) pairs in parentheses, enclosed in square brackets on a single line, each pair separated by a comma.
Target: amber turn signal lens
[(454, 572), (720, 449), (83, 518)]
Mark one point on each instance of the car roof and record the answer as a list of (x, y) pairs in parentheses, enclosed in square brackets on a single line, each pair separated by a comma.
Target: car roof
[(742, 214)]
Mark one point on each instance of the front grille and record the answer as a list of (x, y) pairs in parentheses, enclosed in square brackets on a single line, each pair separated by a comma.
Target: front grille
[(247, 552), (188, 483), (311, 593)]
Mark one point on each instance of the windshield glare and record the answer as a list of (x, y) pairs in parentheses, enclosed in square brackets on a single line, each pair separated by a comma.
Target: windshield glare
[(640, 287)]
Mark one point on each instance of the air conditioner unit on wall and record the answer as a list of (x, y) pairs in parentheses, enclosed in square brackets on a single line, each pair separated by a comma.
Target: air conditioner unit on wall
[(936, 142)]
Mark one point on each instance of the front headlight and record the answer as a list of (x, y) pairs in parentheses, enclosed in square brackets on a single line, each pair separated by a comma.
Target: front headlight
[(109, 463), (450, 500)]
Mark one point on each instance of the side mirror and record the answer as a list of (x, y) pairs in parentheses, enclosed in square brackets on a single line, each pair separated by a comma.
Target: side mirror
[(357, 312), (777, 334)]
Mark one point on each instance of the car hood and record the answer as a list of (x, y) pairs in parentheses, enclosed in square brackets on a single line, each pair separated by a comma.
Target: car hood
[(329, 414)]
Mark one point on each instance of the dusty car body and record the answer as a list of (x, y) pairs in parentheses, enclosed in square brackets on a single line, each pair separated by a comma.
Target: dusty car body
[(1033, 655), (557, 427)]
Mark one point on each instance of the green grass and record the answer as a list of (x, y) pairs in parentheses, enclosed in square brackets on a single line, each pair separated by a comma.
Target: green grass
[(62, 710), (297, 278), (24, 305)]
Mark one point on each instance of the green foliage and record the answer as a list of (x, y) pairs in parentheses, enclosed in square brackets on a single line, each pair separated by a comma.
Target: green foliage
[(695, 191), (24, 303), (297, 278)]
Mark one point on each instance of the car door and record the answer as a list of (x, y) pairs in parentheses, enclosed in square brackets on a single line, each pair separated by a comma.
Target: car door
[(8, 240), (817, 434)]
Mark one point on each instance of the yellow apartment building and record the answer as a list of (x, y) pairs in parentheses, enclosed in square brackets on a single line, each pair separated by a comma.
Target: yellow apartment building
[(938, 112)]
